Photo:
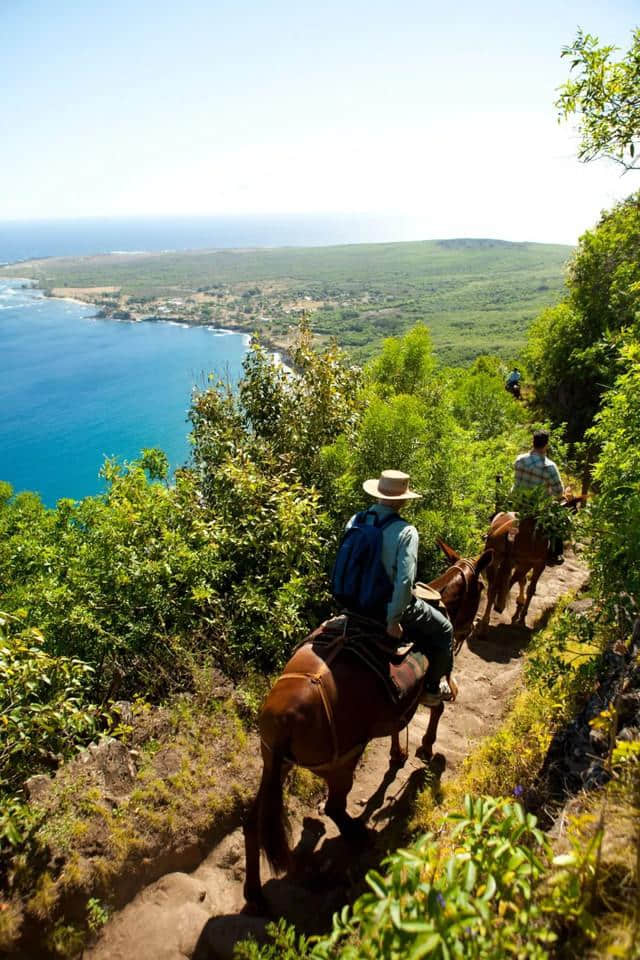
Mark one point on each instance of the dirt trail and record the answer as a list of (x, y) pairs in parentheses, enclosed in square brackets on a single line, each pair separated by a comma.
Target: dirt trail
[(199, 916)]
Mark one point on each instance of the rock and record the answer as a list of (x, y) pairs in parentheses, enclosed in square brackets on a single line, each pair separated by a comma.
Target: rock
[(629, 734), (152, 932), (38, 787), (124, 709), (581, 606), (173, 890), (629, 708), (224, 895), (167, 762), (111, 761), (221, 686), (228, 851)]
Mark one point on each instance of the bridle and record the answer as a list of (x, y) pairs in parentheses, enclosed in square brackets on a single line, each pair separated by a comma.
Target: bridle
[(466, 567)]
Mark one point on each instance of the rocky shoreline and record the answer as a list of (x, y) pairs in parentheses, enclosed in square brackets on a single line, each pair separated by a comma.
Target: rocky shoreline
[(279, 347)]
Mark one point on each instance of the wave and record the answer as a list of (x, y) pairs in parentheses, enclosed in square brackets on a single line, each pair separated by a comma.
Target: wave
[(221, 331)]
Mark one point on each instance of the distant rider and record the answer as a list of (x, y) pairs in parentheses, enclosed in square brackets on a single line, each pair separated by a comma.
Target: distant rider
[(534, 469), (431, 632), (513, 383)]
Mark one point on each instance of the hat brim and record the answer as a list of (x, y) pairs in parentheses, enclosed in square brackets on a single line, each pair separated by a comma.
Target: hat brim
[(424, 592), (371, 487)]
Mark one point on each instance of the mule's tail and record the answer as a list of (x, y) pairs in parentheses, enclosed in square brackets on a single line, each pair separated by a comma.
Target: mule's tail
[(273, 823)]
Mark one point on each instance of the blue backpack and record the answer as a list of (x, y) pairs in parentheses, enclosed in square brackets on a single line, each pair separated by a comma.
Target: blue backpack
[(359, 580)]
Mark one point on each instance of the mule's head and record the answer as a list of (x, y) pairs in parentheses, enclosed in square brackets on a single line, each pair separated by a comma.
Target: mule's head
[(499, 576), (470, 600), (451, 554)]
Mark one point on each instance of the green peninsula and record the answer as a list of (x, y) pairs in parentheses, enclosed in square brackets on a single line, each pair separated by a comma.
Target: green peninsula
[(476, 295)]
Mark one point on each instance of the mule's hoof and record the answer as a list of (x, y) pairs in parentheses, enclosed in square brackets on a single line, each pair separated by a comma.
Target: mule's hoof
[(424, 754), (398, 759), (255, 904)]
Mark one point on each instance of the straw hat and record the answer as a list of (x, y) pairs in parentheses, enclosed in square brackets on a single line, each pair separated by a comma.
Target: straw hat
[(392, 485), (424, 592)]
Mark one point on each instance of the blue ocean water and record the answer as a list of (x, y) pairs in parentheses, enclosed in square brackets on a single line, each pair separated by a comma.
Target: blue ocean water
[(23, 240), (75, 388)]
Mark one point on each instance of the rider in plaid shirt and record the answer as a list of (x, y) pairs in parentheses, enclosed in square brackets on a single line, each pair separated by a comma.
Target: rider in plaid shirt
[(535, 468)]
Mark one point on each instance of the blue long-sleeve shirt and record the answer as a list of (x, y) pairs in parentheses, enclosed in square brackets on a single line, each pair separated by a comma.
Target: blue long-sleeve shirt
[(399, 559)]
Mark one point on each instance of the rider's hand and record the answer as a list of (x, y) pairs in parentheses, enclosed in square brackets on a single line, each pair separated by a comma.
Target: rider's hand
[(394, 630)]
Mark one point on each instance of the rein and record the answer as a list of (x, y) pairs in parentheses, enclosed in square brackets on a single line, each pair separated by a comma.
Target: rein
[(465, 567)]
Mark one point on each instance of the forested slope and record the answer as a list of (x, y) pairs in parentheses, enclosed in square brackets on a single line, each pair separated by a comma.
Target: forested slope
[(477, 296)]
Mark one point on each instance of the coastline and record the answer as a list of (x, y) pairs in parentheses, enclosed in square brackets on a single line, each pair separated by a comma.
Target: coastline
[(279, 348)]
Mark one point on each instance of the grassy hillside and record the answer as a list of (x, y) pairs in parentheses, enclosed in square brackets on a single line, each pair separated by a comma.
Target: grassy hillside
[(476, 295)]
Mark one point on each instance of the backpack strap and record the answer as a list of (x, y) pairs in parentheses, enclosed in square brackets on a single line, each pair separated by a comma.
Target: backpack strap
[(389, 520), (361, 519)]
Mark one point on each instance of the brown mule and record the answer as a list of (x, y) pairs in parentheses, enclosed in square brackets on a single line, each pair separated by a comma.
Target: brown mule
[(322, 712), (518, 550)]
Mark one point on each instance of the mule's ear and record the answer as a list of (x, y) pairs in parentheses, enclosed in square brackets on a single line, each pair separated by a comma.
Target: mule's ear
[(448, 551), (484, 560)]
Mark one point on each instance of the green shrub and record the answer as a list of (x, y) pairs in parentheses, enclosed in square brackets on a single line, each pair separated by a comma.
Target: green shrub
[(615, 512), (573, 347), (488, 888), (44, 716), (483, 407), (43, 712), (146, 579)]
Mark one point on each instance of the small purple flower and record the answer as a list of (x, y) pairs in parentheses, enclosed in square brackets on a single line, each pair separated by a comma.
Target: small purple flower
[(518, 791), (441, 900)]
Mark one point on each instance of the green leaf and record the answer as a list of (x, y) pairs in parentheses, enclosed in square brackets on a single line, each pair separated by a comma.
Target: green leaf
[(469, 876), (376, 882), (424, 946), (564, 860), (491, 888)]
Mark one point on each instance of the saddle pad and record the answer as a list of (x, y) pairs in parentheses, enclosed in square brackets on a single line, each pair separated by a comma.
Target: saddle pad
[(401, 671), (407, 676)]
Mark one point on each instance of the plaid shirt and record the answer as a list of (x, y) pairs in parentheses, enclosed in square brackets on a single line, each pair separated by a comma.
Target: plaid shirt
[(533, 469)]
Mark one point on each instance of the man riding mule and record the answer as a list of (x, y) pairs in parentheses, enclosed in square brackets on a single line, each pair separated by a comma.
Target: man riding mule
[(326, 705), (535, 469), (384, 590), (530, 540), (513, 382)]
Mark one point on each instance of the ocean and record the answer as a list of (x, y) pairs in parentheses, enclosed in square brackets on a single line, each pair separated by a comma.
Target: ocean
[(61, 238), (75, 389)]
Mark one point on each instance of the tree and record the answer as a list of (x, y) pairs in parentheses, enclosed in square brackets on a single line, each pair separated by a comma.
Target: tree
[(615, 514), (573, 346), (605, 94)]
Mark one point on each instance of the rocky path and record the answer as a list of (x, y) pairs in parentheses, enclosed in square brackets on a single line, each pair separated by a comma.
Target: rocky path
[(199, 915)]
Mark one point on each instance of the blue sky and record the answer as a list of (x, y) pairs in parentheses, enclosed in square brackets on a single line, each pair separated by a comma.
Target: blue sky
[(439, 112)]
